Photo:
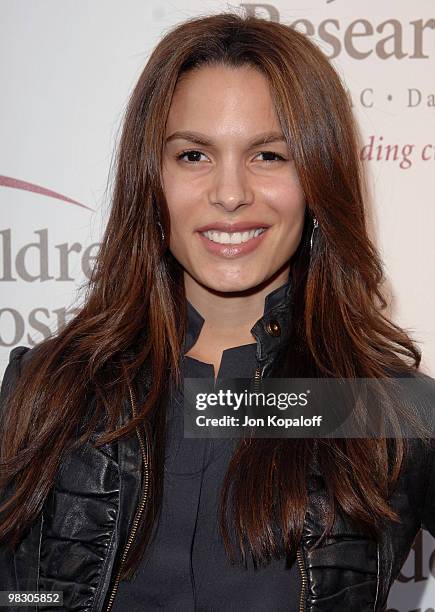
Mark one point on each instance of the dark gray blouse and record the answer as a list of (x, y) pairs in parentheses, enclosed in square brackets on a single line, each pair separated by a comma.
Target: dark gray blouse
[(185, 567)]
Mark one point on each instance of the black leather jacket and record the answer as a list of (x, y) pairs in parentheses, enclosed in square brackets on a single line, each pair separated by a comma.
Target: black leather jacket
[(88, 520)]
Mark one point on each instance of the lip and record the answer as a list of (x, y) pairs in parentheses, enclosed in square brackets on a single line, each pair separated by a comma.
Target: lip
[(230, 251), (243, 226)]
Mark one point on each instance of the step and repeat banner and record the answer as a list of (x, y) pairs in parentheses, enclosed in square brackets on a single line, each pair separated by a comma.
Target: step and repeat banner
[(66, 72)]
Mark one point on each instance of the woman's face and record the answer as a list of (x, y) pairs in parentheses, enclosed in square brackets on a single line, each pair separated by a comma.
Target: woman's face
[(217, 170)]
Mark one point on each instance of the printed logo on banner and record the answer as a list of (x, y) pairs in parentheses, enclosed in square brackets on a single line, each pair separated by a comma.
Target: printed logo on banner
[(385, 40), (34, 261)]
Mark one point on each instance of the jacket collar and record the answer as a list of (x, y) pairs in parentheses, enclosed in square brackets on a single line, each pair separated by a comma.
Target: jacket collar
[(271, 331)]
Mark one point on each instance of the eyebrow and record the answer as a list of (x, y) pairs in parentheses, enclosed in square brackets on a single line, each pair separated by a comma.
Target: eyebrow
[(200, 139)]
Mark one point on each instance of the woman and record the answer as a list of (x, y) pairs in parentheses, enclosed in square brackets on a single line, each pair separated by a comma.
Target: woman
[(240, 126)]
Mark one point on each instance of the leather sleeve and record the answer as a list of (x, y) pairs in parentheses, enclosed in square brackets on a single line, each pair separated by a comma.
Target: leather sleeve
[(18, 568)]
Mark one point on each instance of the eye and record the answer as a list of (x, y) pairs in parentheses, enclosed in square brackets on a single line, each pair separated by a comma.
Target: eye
[(191, 153), (272, 154)]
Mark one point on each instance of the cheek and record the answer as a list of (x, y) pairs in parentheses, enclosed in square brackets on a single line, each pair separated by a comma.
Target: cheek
[(180, 212), (181, 215), (174, 185), (177, 199), (288, 201)]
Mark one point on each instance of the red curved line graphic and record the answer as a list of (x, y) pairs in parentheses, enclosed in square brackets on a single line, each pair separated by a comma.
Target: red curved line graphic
[(8, 181)]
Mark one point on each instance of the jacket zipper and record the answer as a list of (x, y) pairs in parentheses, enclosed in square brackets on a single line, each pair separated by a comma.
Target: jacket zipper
[(257, 378), (141, 507), (304, 579)]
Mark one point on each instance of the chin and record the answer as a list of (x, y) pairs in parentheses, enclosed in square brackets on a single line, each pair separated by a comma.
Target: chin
[(231, 285)]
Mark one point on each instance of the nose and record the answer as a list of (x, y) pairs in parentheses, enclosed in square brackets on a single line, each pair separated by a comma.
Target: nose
[(230, 187)]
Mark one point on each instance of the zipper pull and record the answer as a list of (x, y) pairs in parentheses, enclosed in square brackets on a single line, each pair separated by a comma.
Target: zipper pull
[(257, 379)]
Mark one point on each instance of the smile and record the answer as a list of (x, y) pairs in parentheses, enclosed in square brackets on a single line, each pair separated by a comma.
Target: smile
[(234, 237), (230, 245)]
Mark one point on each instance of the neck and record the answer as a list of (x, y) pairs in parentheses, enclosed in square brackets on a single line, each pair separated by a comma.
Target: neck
[(229, 316)]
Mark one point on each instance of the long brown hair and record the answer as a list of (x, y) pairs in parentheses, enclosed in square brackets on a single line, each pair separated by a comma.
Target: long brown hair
[(135, 307)]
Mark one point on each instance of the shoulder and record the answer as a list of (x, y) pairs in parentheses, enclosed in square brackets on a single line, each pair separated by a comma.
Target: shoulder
[(419, 392), (15, 357), (422, 391), (18, 358), (13, 368)]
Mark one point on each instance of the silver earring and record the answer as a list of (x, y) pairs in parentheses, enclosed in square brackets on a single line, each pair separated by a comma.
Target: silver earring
[(162, 233), (315, 225)]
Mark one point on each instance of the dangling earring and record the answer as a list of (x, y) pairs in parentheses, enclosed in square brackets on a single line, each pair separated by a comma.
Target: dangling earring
[(162, 233), (315, 225)]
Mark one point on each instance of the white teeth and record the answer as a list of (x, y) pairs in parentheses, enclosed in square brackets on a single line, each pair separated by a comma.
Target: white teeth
[(234, 237)]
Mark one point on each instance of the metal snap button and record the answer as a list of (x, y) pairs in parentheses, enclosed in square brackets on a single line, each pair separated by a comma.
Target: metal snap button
[(273, 328)]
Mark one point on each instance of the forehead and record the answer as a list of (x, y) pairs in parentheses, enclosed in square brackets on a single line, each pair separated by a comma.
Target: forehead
[(223, 100)]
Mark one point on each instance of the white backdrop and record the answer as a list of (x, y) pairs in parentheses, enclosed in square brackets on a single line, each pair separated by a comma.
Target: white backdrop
[(67, 70)]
